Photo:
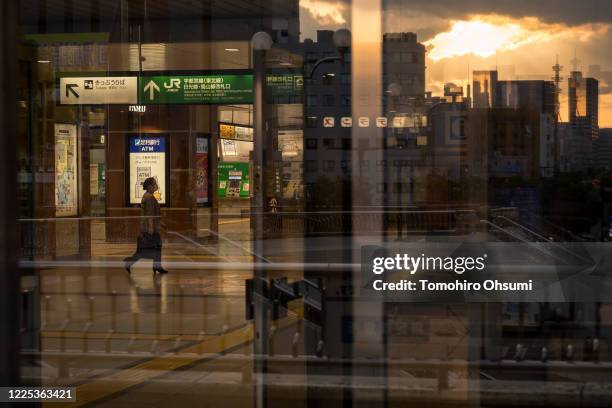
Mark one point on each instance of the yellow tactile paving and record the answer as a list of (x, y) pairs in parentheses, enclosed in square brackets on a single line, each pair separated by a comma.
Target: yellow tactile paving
[(116, 382), (56, 334)]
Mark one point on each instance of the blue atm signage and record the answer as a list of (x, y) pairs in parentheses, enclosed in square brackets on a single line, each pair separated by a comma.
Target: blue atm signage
[(147, 145), (147, 159)]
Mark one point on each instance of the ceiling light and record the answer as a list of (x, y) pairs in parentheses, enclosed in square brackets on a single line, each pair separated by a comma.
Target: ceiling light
[(232, 49)]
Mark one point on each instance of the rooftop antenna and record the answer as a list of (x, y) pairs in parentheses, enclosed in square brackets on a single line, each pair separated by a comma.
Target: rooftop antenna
[(575, 61), (557, 68), (557, 78)]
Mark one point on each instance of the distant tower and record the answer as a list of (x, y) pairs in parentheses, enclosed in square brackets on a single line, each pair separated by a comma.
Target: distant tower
[(557, 78), (575, 61)]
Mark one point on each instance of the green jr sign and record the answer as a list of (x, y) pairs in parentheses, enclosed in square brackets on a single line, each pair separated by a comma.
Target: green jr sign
[(195, 89)]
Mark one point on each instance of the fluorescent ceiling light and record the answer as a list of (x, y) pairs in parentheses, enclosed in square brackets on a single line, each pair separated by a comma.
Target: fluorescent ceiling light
[(232, 49)]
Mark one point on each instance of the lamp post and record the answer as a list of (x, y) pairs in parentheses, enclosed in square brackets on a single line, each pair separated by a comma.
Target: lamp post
[(342, 41), (260, 43)]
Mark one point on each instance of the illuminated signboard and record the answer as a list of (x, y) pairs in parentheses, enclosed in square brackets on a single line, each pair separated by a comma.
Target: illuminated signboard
[(147, 159)]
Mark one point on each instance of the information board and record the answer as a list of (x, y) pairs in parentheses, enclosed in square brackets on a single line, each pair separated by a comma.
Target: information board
[(66, 171), (196, 89), (233, 179), (280, 85), (94, 90), (147, 157), (231, 131)]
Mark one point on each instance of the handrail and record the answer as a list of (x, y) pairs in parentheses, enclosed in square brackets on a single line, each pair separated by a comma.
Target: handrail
[(556, 244)]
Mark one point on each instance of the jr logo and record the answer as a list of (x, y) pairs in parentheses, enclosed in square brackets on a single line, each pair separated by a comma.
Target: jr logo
[(174, 83)]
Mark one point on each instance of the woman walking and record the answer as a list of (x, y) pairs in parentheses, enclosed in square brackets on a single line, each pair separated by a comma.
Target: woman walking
[(149, 244)]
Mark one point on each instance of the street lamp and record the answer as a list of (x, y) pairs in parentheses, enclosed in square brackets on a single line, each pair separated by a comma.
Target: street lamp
[(261, 42), (342, 41)]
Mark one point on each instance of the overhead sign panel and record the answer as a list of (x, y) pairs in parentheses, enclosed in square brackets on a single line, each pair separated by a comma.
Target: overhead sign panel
[(196, 89), (175, 89), (98, 90), (282, 87)]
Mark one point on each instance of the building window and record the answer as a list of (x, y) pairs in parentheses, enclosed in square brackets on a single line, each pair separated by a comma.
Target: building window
[(311, 121), (346, 144), (328, 143), (364, 143), (329, 165), (328, 79), (312, 100), (311, 143), (346, 100), (311, 166), (409, 57), (329, 100), (381, 164), (345, 78)]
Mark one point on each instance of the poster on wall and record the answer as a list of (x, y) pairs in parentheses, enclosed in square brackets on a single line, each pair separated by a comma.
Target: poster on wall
[(66, 173), (94, 185), (233, 179), (228, 148), (229, 131), (291, 144), (202, 177), (147, 159)]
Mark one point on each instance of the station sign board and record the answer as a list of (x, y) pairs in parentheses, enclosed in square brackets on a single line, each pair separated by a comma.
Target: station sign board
[(98, 90), (279, 85), (230, 88), (196, 89)]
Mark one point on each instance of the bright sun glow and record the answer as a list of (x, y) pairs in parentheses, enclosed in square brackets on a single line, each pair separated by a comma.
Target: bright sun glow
[(324, 12), (484, 35)]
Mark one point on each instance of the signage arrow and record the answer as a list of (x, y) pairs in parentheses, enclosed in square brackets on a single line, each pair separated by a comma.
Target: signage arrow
[(70, 88), (151, 87)]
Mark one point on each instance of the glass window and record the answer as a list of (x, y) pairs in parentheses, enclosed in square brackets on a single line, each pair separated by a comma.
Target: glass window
[(179, 231)]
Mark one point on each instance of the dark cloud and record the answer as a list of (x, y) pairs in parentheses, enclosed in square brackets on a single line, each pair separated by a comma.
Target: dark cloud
[(553, 11)]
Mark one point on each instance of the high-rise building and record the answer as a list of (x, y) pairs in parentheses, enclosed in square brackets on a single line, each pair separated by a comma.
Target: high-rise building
[(329, 120), (583, 96), (484, 89), (603, 150), (527, 94), (404, 65)]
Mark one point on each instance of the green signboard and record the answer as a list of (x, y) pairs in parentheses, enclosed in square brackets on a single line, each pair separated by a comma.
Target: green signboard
[(233, 179), (283, 84), (195, 89)]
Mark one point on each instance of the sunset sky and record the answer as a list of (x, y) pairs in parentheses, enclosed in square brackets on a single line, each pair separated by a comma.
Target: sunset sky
[(522, 38)]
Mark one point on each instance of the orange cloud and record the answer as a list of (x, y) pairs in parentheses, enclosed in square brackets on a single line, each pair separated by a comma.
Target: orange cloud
[(484, 35), (325, 12)]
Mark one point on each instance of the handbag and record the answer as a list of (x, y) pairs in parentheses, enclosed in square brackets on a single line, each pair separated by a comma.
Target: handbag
[(148, 241)]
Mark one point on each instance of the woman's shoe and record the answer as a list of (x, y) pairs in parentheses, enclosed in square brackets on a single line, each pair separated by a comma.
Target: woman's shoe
[(159, 270), (128, 265)]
